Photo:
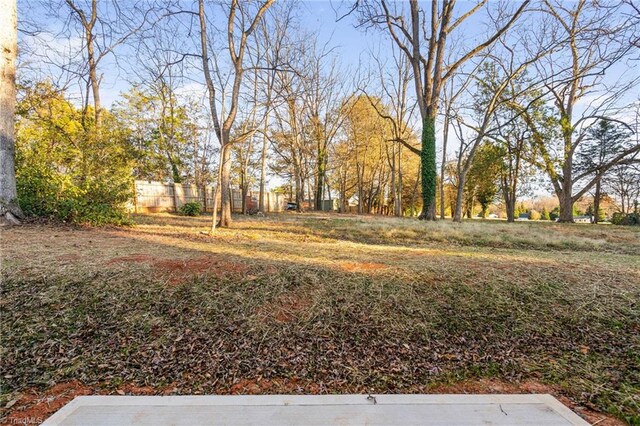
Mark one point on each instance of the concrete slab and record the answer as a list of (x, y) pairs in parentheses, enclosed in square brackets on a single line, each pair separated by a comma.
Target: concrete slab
[(315, 410)]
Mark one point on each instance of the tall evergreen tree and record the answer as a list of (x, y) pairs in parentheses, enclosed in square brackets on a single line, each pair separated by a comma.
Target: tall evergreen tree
[(605, 140)]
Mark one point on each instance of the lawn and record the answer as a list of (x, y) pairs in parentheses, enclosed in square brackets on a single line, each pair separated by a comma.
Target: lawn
[(305, 303)]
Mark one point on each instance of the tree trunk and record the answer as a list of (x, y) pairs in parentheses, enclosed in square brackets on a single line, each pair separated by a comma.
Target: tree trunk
[(565, 196), (309, 193), (394, 188), (175, 172), (216, 191), (445, 138), (399, 188), (360, 192), (514, 179), (596, 203), (243, 193), (299, 191), (93, 77), (566, 208), (321, 172), (457, 217), (10, 212), (428, 162), (176, 208), (263, 169), (225, 181), (510, 205)]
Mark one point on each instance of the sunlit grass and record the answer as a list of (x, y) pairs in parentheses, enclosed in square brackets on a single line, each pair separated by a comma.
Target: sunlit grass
[(352, 304)]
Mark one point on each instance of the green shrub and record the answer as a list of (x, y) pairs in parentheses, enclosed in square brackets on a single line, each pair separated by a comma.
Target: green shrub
[(545, 214), (53, 196), (630, 219), (534, 215), (66, 167), (191, 209)]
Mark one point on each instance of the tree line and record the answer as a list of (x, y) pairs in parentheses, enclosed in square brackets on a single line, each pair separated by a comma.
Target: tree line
[(233, 93)]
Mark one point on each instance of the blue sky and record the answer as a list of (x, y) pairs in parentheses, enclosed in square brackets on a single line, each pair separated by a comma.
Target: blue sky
[(354, 46)]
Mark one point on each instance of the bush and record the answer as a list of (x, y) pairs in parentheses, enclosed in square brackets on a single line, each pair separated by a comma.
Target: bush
[(67, 168), (95, 202), (191, 209), (545, 214), (534, 215), (630, 219)]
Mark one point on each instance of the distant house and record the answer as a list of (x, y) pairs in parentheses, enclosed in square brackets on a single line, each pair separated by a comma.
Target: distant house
[(523, 216), (582, 219)]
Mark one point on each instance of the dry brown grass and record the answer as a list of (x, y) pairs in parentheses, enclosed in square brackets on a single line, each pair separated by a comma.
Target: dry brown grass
[(341, 304)]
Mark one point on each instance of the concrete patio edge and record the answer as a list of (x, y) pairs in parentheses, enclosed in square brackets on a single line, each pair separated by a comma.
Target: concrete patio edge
[(109, 404)]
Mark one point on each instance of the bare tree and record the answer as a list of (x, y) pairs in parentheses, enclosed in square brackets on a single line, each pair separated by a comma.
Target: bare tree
[(623, 181), (103, 27), (160, 71), (512, 138), (394, 84), (241, 23), (431, 28), (288, 141), (595, 38), (494, 88), (271, 42), (10, 212), (325, 94)]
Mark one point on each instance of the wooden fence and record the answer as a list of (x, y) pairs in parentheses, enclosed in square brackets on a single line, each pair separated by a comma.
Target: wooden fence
[(152, 197)]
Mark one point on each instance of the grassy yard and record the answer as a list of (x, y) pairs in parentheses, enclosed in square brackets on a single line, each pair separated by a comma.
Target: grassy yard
[(324, 304)]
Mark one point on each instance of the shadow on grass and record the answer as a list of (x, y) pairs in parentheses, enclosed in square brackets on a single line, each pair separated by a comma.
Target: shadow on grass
[(163, 320)]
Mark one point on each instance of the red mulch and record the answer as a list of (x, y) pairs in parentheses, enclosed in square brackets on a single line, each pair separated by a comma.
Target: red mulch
[(33, 408)]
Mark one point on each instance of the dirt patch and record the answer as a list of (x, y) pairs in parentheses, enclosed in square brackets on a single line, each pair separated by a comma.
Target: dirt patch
[(180, 270), (130, 389), (362, 267), (34, 408)]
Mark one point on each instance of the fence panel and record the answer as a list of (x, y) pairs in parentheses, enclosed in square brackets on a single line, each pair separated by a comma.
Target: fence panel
[(153, 197)]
